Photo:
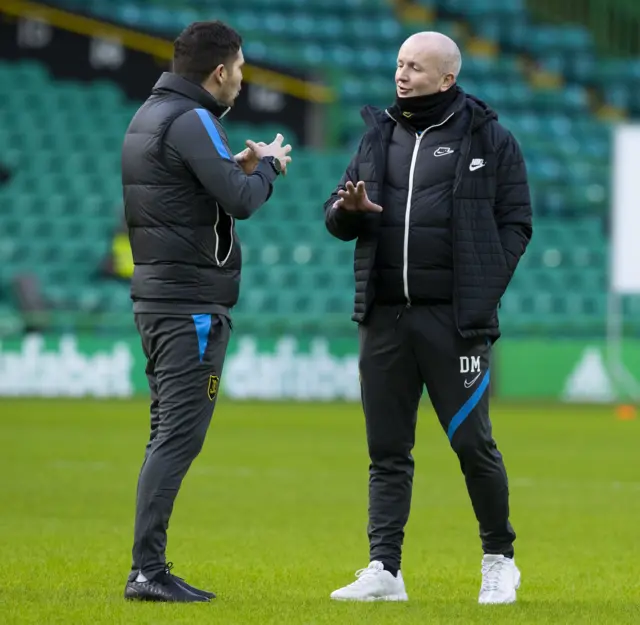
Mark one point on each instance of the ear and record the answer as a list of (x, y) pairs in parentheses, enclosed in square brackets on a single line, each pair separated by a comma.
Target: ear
[(218, 74), (448, 81)]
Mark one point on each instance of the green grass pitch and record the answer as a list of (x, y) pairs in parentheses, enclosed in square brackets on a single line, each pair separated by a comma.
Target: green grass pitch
[(272, 517)]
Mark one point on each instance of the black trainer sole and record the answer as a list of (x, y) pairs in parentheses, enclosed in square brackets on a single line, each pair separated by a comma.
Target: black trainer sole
[(133, 594)]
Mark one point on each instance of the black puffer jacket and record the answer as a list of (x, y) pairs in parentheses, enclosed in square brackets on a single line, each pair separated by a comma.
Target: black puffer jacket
[(182, 192), (489, 219)]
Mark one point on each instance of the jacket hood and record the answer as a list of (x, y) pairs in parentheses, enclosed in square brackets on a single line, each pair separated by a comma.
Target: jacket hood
[(171, 82), (482, 112)]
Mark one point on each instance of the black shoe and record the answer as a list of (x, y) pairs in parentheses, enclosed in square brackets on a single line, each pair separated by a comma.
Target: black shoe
[(189, 587), (163, 587)]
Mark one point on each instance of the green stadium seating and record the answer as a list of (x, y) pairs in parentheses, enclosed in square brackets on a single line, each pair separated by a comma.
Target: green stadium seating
[(301, 272), (66, 151)]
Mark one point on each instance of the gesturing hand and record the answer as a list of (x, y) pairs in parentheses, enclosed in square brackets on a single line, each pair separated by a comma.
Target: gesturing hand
[(248, 159), (355, 199), (275, 149)]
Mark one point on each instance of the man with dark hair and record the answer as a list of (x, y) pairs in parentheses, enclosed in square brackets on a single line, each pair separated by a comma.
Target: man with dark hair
[(203, 42), (438, 201), (183, 191)]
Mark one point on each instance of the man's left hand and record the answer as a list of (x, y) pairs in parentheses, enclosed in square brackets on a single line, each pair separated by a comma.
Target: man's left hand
[(248, 159)]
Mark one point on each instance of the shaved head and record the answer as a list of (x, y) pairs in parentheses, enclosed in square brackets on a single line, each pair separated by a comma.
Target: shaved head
[(428, 62)]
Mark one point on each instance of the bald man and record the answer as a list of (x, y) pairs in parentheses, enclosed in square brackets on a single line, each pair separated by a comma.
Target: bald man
[(437, 200)]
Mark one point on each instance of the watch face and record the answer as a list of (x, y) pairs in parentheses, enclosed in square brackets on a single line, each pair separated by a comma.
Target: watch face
[(276, 163)]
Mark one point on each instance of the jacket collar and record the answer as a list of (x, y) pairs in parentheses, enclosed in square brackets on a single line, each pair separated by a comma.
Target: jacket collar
[(169, 81), (480, 113)]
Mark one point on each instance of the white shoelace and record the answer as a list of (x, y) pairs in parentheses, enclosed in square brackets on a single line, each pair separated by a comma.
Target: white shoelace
[(364, 574), (491, 575)]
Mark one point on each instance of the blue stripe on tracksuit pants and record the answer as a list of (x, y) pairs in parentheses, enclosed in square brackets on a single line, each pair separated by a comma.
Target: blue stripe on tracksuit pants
[(402, 351)]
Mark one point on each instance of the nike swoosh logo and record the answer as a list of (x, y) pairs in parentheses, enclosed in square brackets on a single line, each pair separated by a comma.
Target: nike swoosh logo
[(470, 384), (474, 167)]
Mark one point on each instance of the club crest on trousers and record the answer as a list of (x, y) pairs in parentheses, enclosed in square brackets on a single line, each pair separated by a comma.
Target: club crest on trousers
[(212, 388)]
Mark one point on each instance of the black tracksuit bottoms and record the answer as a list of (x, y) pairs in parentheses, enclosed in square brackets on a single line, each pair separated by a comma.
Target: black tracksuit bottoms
[(401, 351), (185, 356)]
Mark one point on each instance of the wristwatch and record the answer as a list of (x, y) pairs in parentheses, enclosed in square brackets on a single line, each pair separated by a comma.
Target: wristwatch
[(275, 163)]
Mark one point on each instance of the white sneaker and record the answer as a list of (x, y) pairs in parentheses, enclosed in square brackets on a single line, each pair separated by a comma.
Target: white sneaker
[(373, 584), (500, 580)]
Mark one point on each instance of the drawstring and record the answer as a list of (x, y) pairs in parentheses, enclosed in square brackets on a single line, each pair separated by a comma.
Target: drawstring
[(401, 312)]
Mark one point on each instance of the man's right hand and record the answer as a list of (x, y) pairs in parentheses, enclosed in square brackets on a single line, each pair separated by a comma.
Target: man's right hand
[(355, 199), (275, 149)]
